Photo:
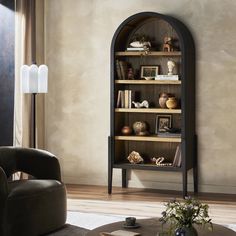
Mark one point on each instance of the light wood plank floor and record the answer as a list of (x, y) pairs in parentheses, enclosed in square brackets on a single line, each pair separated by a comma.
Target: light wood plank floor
[(143, 202)]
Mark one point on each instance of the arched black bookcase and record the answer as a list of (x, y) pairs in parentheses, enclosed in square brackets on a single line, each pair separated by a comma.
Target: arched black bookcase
[(156, 26)]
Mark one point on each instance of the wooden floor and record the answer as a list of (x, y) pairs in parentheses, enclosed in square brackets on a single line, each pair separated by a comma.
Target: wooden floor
[(143, 202)]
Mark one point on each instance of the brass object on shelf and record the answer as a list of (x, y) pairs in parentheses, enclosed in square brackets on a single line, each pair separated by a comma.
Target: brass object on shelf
[(172, 103), (135, 158)]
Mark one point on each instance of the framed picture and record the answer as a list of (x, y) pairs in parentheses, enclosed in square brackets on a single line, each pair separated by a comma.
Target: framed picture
[(163, 121), (149, 72)]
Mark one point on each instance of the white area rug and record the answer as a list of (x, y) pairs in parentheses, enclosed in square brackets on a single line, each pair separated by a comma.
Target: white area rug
[(91, 221)]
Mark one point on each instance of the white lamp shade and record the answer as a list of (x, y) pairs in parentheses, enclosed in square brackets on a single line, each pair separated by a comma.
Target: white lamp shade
[(33, 78), (43, 79), (24, 78)]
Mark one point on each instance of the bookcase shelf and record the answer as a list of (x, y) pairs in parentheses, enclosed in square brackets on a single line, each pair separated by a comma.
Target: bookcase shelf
[(147, 167), (149, 110), (180, 151), (149, 139), (151, 82), (150, 53)]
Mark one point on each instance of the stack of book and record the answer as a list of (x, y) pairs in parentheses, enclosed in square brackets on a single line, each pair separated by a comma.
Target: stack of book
[(135, 49), (169, 134), (121, 69), (177, 159), (124, 98), (167, 77)]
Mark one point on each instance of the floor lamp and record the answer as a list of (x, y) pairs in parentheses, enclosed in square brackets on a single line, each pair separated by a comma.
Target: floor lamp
[(34, 80)]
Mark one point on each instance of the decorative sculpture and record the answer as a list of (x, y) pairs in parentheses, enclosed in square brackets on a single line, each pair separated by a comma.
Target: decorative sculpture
[(138, 44), (160, 161), (170, 65), (135, 158), (141, 41), (144, 103), (140, 128), (168, 46)]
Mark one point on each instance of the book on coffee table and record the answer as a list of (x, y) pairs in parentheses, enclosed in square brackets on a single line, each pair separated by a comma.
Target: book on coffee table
[(120, 233)]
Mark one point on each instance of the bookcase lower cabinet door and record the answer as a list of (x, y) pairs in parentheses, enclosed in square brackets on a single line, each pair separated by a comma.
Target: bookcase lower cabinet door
[(145, 133)]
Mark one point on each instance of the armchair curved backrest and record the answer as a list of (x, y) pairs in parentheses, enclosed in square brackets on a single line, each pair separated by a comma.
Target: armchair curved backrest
[(38, 163)]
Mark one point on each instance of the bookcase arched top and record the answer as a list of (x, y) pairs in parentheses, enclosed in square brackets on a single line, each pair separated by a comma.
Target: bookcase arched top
[(157, 26)]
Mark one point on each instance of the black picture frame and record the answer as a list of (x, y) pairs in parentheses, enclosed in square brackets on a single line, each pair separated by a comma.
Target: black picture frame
[(149, 72), (161, 122)]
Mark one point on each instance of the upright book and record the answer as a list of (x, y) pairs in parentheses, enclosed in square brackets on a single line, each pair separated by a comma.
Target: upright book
[(124, 98), (123, 69), (177, 159), (118, 70)]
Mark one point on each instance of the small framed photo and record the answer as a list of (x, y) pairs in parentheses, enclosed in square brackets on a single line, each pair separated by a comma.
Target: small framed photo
[(149, 72), (163, 121)]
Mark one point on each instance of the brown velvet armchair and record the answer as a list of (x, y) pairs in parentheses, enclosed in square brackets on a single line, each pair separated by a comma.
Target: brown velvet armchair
[(30, 207)]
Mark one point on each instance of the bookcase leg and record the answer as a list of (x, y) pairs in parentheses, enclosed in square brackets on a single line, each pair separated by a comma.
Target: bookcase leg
[(185, 183), (110, 171), (195, 168), (110, 166), (195, 179), (124, 178)]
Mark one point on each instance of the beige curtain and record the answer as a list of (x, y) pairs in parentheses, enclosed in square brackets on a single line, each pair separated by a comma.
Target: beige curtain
[(24, 55)]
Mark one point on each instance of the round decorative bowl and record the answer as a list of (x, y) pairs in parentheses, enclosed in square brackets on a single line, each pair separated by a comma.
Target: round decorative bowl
[(126, 130)]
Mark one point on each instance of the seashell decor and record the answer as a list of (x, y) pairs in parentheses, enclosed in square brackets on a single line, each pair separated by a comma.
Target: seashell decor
[(135, 158)]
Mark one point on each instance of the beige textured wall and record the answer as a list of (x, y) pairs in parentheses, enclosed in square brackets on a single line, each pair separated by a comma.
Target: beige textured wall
[(78, 38)]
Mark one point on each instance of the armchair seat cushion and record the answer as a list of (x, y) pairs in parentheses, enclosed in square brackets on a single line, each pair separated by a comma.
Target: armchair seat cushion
[(28, 188), (35, 207)]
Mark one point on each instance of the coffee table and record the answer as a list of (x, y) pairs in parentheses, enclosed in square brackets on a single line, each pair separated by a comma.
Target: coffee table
[(150, 227)]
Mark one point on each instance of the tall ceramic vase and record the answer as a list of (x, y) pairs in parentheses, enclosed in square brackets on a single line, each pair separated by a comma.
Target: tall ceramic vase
[(163, 97)]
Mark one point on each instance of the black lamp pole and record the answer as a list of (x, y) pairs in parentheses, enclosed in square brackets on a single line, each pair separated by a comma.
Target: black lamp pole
[(33, 52), (33, 122)]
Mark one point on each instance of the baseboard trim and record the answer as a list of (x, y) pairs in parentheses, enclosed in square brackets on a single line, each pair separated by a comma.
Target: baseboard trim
[(206, 188)]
